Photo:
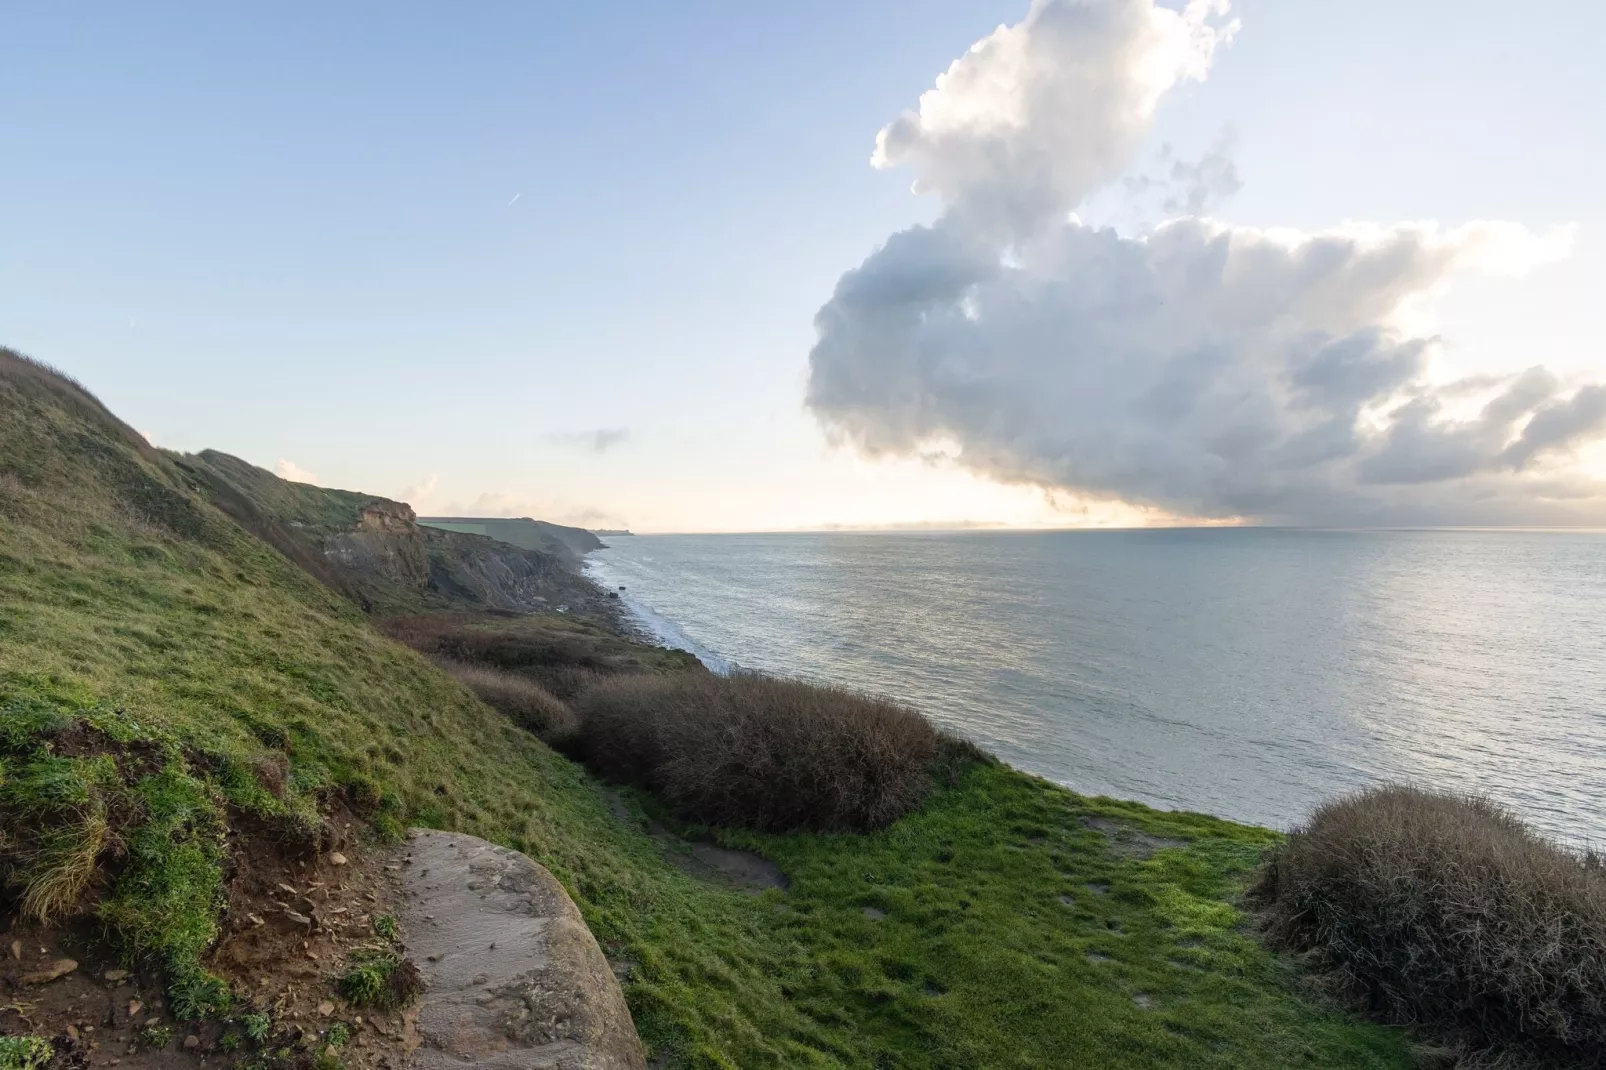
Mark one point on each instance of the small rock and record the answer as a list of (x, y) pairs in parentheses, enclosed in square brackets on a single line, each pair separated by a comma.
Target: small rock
[(192, 1042), (134, 1007), (326, 1008), (72, 1031), (16, 949), (299, 919), (256, 920), (336, 858), (152, 1020), (115, 975), (59, 968)]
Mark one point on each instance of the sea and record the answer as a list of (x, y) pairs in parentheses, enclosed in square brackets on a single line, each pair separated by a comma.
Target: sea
[(1245, 672)]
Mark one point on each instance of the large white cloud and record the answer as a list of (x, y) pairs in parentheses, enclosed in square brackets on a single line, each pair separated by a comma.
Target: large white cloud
[(1200, 368)]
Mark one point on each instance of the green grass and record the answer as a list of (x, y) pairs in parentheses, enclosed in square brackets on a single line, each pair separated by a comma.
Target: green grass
[(25, 1053), (367, 980), (222, 679)]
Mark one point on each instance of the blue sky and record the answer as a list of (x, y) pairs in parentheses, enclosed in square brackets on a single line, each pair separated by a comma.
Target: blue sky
[(288, 234)]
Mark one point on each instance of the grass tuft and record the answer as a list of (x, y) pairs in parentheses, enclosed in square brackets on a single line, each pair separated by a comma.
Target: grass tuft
[(1448, 913), (380, 979), (64, 867), (257, 1027), (25, 1053)]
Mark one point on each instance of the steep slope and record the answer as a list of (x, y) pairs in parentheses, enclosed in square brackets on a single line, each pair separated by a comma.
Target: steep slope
[(374, 551), (179, 700)]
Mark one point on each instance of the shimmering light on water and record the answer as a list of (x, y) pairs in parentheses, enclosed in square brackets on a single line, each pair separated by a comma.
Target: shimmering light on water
[(1246, 673)]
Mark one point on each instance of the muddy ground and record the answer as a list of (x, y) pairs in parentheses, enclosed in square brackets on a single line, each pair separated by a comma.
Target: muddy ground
[(294, 915)]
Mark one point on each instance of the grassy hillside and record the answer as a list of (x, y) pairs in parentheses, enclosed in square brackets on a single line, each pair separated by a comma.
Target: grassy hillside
[(1007, 924)]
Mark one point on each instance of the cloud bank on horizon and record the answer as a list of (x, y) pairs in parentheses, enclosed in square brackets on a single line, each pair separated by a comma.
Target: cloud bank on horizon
[(1198, 368)]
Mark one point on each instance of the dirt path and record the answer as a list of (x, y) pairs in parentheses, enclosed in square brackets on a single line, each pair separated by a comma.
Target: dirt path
[(740, 871)]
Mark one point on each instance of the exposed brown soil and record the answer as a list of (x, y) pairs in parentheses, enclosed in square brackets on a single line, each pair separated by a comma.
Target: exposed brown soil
[(293, 918), (741, 871), (1130, 842), (295, 911)]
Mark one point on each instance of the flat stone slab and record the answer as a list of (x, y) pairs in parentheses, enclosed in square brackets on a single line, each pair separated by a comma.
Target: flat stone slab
[(515, 979)]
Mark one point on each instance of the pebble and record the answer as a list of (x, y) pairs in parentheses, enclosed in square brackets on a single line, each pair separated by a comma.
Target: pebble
[(134, 1007), (192, 1042), (326, 1008), (115, 975), (59, 968), (16, 949), (336, 858)]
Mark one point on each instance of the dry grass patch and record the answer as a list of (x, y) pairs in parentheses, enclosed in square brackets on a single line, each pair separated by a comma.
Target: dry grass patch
[(761, 752), (562, 654), (1449, 913), (530, 705)]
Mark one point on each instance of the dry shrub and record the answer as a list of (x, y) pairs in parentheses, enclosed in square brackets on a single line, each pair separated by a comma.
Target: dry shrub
[(760, 752), (526, 702), (565, 663), (1449, 913)]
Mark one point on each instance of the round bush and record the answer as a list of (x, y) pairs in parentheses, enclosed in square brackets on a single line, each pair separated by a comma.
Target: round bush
[(758, 751), (1448, 912)]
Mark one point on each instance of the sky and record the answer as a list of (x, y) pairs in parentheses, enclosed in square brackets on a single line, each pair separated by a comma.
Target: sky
[(634, 265)]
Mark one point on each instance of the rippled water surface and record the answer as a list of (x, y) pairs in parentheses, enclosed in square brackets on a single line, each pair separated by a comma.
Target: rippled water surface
[(1246, 673)]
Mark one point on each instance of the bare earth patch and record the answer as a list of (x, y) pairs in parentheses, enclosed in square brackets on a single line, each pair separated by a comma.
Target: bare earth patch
[(292, 919), (742, 871), (1129, 842)]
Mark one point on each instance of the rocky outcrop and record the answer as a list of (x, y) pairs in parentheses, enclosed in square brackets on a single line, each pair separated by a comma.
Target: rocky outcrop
[(475, 570), (514, 978), (385, 543), (375, 551)]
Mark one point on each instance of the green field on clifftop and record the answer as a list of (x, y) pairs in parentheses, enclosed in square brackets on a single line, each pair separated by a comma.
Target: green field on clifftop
[(1009, 923)]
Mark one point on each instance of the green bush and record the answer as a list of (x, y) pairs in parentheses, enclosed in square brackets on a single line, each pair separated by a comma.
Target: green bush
[(1449, 913), (760, 752)]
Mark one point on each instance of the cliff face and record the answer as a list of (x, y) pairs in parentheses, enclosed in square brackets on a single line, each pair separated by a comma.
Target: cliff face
[(569, 544), (385, 544), (375, 552)]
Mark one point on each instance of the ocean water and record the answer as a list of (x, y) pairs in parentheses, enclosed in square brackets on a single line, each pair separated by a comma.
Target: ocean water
[(1244, 673)]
